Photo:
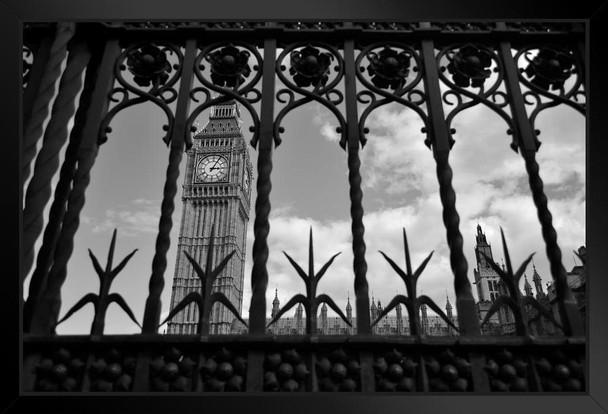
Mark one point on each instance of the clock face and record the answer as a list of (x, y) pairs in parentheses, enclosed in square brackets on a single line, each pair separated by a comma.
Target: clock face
[(212, 169)]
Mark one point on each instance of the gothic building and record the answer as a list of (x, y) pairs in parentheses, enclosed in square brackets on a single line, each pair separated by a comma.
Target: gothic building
[(490, 287), (486, 279), (216, 194), (397, 324), (577, 280)]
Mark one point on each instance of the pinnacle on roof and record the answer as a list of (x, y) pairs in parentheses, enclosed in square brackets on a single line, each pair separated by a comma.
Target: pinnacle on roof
[(276, 296), (224, 119), (448, 305), (535, 276), (527, 286)]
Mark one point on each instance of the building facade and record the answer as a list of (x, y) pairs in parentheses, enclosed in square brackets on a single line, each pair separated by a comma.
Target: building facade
[(396, 324), (487, 280), (577, 281), (216, 194), (490, 287)]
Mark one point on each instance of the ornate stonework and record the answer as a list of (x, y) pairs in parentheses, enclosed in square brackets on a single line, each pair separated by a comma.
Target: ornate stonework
[(217, 191)]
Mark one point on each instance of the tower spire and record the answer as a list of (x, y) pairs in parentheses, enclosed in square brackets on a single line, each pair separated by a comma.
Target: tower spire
[(537, 280), (349, 308), (527, 287), (448, 305), (219, 158), (275, 303)]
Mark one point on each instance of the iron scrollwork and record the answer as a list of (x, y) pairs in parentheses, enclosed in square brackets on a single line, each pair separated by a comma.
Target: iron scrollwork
[(552, 73), (310, 67), (471, 66), (390, 66), (230, 76), (148, 65)]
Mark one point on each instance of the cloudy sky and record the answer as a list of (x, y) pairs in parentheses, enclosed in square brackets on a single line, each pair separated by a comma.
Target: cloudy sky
[(310, 189)]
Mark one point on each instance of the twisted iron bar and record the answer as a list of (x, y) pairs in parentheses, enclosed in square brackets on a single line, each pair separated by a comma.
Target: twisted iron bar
[(261, 229), (468, 322), (44, 317), (47, 162), (451, 220), (32, 130), (261, 225), (571, 318), (62, 191), (50, 302), (163, 240), (316, 94), (359, 247), (396, 96), (528, 145)]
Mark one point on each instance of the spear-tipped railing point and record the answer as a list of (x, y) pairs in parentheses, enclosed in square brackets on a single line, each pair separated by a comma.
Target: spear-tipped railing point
[(515, 301), (206, 298), (412, 302), (311, 301), (102, 300)]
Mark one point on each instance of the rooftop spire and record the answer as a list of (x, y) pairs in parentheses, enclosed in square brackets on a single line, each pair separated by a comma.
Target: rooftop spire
[(448, 306), (275, 303), (537, 281), (224, 121), (527, 286)]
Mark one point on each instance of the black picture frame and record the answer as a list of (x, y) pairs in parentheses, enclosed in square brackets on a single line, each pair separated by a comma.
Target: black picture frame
[(594, 13)]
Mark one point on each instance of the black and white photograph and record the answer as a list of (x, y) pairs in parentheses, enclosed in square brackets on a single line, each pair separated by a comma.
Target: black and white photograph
[(235, 210)]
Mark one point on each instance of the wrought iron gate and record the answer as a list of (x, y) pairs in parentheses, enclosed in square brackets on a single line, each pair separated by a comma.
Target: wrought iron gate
[(351, 64)]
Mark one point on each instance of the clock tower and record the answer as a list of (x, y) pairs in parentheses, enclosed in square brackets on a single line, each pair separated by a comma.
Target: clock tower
[(216, 194)]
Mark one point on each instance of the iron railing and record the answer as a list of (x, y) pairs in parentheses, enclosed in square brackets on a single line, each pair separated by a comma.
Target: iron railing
[(344, 67)]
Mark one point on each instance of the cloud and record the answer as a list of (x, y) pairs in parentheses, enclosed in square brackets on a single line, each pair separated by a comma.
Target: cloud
[(138, 217), (401, 191)]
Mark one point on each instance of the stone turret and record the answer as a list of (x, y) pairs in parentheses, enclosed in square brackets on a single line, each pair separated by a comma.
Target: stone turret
[(275, 304)]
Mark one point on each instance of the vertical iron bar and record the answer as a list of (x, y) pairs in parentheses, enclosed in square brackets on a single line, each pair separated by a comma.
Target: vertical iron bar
[(261, 227), (163, 241), (468, 320), (47, 308), (141, 380), (47, 162), (62, 190), (568, 308), (32, 130), (356, 193), (356, 213)]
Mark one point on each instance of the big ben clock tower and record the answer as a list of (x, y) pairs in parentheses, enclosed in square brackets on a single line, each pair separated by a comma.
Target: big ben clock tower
[(216, 193)]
